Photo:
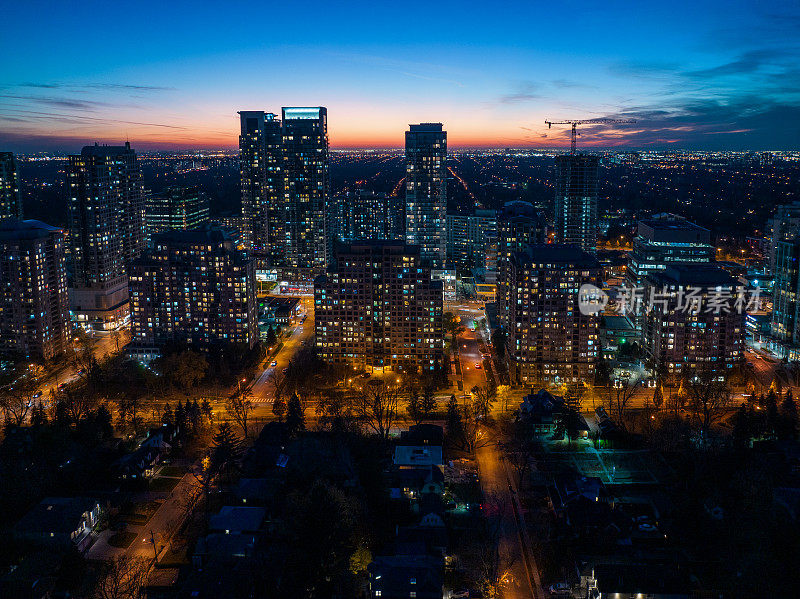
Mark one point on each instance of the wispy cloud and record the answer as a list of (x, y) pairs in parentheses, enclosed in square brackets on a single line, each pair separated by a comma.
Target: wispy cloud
[(95, 86), (525, 92), (58, 102)]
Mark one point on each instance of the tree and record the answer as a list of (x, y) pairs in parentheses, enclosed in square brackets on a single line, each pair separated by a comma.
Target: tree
[(413, 407), (184, 369), (122, 578), (239, 407), (571, 412), (276, 381), (499, 343), (16, 401), (707, 400), (428, 403), (78, 403), (272, 338), (279, 408), (789, 417), (225, 449), (484, 396), (168, 416), (295, 415), (619, 400), (376, 406), (454, 426), (323, 525)]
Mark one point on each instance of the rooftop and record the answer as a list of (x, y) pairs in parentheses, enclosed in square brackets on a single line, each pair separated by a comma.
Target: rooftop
[(24, 229)]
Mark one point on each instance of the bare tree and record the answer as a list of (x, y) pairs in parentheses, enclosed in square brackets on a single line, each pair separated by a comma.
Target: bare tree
[(277, 383), (78, 403), (707, 400), (484, 396), (376, 406), (619, 400), (122, 578), (17, 400), (239, 408)]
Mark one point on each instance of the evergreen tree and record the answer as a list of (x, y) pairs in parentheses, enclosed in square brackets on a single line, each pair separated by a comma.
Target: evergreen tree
[(180, 417), (295, 417), (225, 449), (742, 427), (428, 403), (272, 338), (168, 416), (454, 425), (102, 418), (413, 406), (207, 410), (772, 413), (789, 417)]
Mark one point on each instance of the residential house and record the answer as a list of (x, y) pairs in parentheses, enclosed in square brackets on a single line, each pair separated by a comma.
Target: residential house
[(60, 522)]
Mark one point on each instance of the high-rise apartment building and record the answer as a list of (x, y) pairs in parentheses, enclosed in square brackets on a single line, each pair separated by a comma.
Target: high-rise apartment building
[(364, 215), (426, 191), (660, 241), (176, 208), (107, 231), (285, 187), (472, 244), (549, 340), (261, 170), (576, 200), (784, 225), (379, 309), (785, 324), (10, 199), (34, 300), (193, 287), (519, 225), (306, 186), (692, 323)]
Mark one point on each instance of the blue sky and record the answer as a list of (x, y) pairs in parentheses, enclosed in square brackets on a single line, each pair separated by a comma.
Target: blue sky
[(716, 75)]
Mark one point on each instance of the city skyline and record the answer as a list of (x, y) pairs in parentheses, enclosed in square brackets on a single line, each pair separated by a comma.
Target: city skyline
[(708, 76)]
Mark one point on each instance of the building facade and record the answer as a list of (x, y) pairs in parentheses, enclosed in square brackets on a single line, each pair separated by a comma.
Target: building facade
[(784, 225), (179, 208), (379, 309), (785, 324), (193, 287), (686, 327), (575, 209), (550, 342), (665, 239), (472, 244), (660, 241), (10, 198), (426, 191), (107, 231), (519, 225), (34, 300), (362, 215), (284, 165), (261, 171), (306, 187)]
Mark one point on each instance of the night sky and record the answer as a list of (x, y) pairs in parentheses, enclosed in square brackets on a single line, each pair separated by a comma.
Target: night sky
[(696, 75)]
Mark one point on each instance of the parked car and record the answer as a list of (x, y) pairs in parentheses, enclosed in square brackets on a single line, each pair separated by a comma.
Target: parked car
[(560, 589)]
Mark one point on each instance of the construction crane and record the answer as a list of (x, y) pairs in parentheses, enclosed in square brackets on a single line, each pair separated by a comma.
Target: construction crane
[(586, 122)]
